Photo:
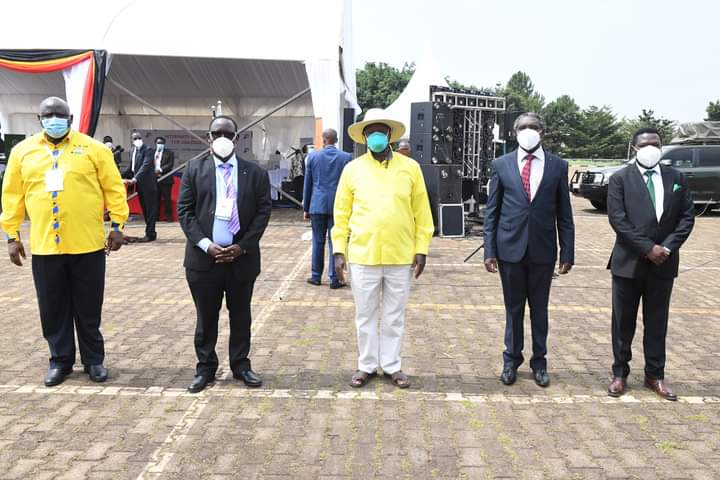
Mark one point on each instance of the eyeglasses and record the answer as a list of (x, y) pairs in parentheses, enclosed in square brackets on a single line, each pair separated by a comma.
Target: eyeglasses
[(229, 135)]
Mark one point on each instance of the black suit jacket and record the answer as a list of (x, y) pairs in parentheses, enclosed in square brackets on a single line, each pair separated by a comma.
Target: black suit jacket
[(515, 226), (196, 212), (167, 163), (144, 168), (632, 216)]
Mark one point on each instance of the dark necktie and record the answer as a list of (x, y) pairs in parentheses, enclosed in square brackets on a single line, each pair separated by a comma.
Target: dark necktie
[(525, 176)]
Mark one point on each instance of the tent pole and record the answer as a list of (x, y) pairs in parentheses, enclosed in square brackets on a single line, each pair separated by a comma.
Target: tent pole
[(182, 127)]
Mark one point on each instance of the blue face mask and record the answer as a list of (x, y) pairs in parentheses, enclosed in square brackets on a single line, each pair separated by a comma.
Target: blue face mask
[(377, 142), (55, 127)]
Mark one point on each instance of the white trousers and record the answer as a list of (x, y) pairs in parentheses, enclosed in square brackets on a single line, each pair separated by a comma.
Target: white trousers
[(380, 348)]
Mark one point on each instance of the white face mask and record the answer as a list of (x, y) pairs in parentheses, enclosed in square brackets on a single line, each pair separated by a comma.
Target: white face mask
[(223, 147), (649, 156), (109, 145), (528, 139), (138, 143)]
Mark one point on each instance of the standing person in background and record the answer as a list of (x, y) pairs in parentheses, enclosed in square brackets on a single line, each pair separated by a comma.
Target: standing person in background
[(528, 210), (383, 229), (297, 172), (61, 179), (164, 160), (116, 150), (651, 210), (403, 148), (321, 180), (141, 173)]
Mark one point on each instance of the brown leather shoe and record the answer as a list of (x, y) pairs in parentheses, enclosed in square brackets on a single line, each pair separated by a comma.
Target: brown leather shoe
[(659, 387), (617, 386)]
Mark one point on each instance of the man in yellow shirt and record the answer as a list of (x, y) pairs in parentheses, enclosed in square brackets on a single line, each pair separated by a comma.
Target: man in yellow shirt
[(383, 227), (62, 179)]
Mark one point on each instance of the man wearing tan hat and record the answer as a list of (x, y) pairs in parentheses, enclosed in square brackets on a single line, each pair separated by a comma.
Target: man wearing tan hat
[(383, 227)]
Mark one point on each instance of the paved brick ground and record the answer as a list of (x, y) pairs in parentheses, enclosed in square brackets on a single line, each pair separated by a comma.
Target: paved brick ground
[(457, 421)]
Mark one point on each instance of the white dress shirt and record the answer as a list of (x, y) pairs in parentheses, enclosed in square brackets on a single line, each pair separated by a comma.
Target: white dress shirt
[(221, 234), (659, 187), (537, 167)]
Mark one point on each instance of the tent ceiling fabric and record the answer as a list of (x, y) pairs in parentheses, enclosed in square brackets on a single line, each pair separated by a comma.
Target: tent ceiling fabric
[(151, 76), (267, 30)]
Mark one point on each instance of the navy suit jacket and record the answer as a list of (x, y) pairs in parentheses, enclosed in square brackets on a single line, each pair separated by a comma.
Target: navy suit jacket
[(144, 168), (322, 174), (515, 226)]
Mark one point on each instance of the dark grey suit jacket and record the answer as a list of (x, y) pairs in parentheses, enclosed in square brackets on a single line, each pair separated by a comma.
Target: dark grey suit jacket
[(632, 216), (196, 212)]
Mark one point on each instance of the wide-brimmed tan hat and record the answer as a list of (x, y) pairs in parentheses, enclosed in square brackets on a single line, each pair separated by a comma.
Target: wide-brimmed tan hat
[(376, 115)]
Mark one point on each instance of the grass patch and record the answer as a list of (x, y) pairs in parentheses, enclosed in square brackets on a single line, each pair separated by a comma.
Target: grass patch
[(668, 447), (643, 421), (699, 418)]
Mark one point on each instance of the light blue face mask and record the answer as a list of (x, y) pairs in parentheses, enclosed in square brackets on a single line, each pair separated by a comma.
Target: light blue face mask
[(55, 127), (377, 142)]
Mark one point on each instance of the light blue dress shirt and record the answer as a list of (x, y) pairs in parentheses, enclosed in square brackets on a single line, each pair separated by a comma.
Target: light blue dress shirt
[(221, 233)]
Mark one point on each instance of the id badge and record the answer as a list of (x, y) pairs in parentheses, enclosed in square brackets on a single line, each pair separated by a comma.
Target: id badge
[(224, 209), (54, 180)]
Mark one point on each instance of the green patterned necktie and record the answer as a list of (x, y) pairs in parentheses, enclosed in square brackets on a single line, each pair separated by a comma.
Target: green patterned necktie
[(650, 185)]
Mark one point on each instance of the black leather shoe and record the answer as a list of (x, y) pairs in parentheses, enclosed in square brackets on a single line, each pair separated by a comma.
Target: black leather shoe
[(97, 373), (146, 239), (199, 382), (542, 379), (312, 281), (508, 376), (336, 285), (249, 378), (55, 376)]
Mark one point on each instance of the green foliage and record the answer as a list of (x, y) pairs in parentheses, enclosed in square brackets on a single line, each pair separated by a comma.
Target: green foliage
[(665, 126), (379, 84), (562, 123), (598, 135), (713, 111), (521, 95)]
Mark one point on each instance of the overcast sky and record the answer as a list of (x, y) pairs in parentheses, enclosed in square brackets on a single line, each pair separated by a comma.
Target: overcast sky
[(628, 54)]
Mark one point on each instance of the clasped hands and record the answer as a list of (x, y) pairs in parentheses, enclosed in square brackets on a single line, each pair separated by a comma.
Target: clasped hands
[(658, 254), (225, 254)]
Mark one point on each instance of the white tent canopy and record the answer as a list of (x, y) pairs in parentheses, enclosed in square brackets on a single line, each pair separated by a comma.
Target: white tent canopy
[(417, 90), (183, 56)]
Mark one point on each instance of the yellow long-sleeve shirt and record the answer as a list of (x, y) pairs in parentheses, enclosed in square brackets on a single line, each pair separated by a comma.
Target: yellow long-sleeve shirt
[(71, 222), (382, 212)]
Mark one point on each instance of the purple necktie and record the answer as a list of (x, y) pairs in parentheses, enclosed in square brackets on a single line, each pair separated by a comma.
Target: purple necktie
[(234, 222)]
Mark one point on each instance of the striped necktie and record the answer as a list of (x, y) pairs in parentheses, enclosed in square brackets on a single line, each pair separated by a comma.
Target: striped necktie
[(234, 222)]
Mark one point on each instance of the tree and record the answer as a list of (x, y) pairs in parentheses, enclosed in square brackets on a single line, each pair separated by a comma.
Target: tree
[(379, 84), (665, 126), (521, 95), (483, 90), (598, 135), (562, 121), (713, 111)]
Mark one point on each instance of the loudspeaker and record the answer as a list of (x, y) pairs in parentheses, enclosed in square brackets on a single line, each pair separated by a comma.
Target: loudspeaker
[(428, 148), (348, 119), (431, 117), (443, 183), (506, 120), (452, 220)]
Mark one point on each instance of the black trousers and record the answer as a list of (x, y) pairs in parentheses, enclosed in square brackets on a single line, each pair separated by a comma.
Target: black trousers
[(655, 293), (526, 282), (149, 205), (208, 289), (70, 291), (165, 199)]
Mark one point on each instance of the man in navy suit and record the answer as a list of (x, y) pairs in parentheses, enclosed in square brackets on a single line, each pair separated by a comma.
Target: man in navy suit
[(141, 173), (528, 210), (322, 175), (651, 211)]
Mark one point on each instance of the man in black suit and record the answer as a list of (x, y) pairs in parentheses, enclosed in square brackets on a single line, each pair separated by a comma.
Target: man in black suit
[(141, 173), (164, 160), (224, 207), (528, 210), (651, 211)]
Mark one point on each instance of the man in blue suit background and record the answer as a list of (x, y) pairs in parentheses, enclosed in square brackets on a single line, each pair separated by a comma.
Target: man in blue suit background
[(528, 210), (322, 174)]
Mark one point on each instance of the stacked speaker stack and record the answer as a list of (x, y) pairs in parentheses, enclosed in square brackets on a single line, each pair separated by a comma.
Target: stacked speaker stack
[(452, 137)]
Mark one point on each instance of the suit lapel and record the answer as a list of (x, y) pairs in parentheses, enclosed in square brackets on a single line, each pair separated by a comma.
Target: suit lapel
[(667, 179), (546, 173), (514, 171), (209, 179), (242, 173), (641, 186)]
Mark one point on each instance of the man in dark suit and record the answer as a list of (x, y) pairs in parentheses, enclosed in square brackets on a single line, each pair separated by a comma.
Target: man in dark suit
[(322, 175), (164, 160), (651, 211), (528, 209), (224, 207), (141, 173)]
